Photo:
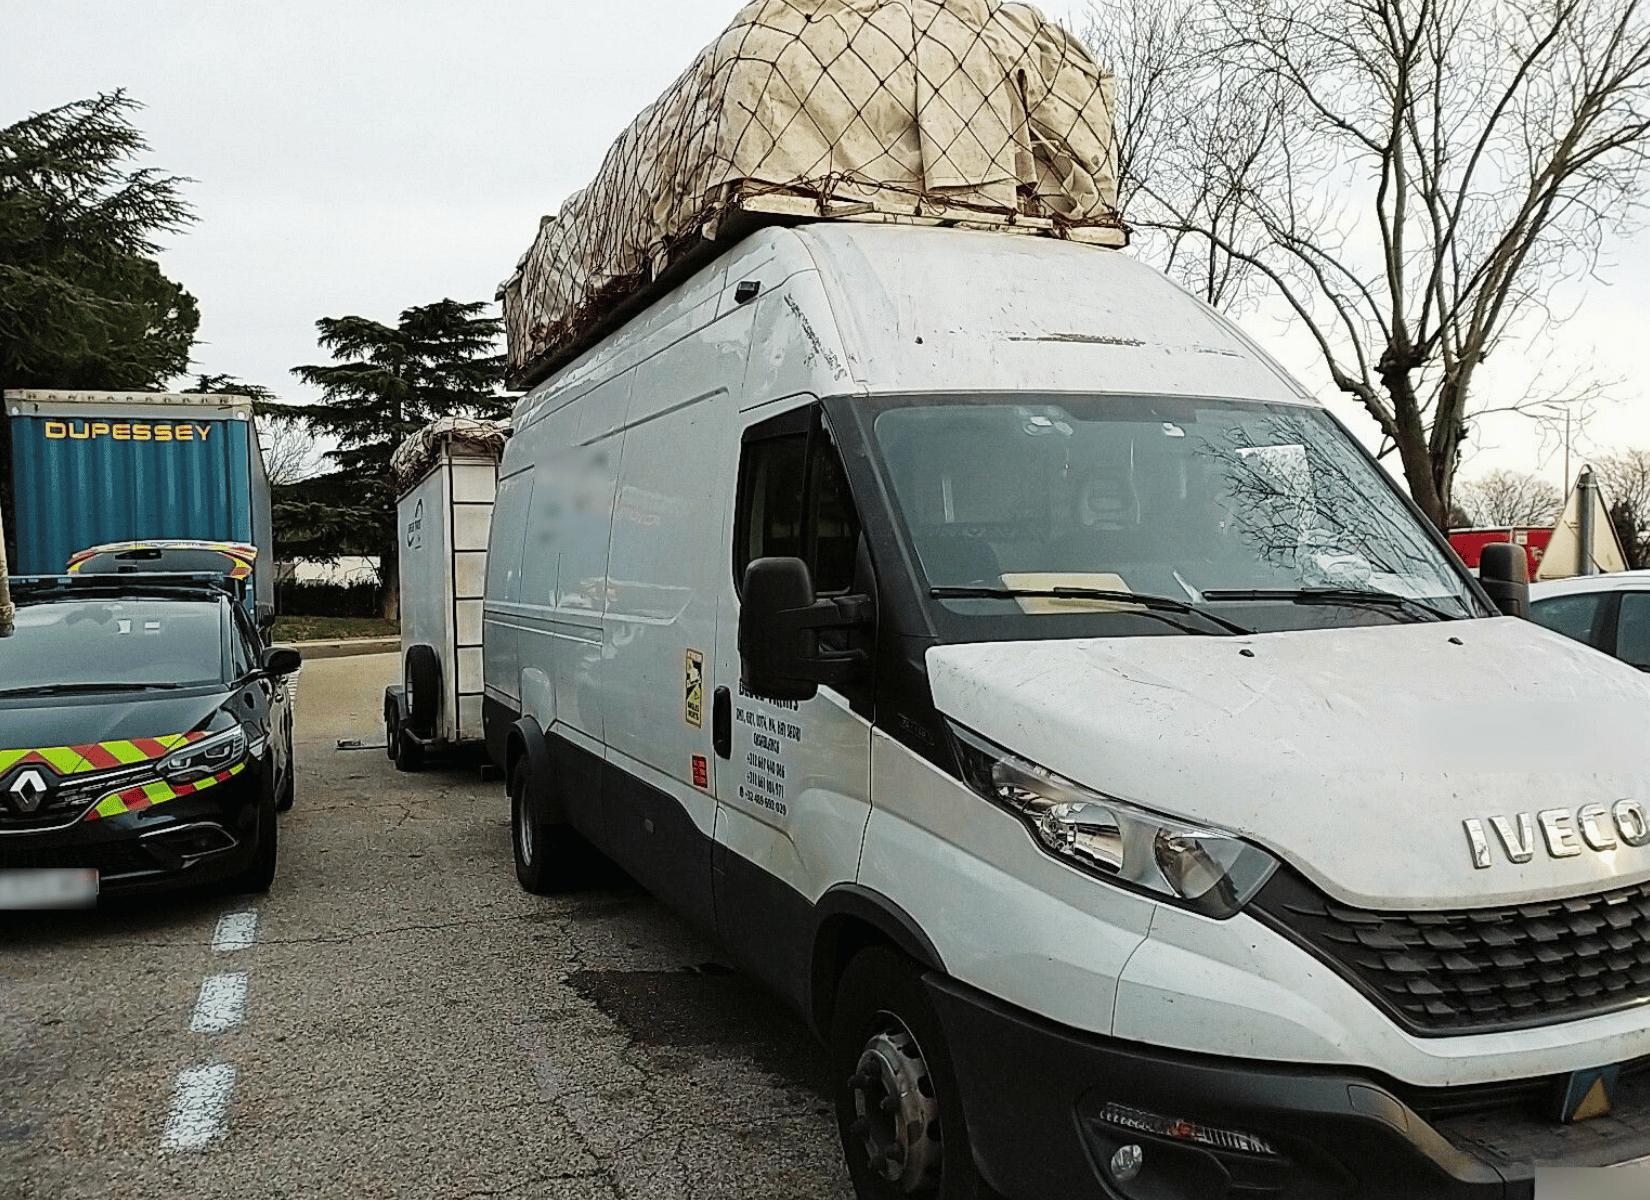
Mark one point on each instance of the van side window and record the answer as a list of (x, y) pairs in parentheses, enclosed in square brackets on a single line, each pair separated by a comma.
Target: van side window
[(505, 546), (794, 502), (772, 500), (833, 525)]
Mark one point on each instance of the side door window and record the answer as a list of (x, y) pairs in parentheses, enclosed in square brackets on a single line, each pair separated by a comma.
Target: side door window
[(1633, 630), (794, 502), (243, 656), (1577, 617)]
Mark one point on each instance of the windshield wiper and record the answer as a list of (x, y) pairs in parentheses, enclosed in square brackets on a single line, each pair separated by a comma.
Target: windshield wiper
[(60, 689), (1333, 596), (1155, 606)]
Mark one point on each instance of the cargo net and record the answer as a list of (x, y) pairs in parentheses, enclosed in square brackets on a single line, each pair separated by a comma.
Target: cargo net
[(420, 451), (957, 111)]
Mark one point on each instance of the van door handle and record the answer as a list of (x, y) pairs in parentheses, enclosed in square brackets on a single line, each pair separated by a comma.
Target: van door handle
[(721, 723)]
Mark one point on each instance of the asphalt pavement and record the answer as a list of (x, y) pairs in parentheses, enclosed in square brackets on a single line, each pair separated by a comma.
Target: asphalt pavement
[(397, 1019)]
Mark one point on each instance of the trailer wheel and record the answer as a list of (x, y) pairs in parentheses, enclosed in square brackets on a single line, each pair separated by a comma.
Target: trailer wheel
[(423, 689), (392, 730), (897, 1104), (409, 755)]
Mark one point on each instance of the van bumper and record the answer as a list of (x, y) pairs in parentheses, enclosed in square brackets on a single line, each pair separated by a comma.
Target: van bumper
[(1034, 1094)]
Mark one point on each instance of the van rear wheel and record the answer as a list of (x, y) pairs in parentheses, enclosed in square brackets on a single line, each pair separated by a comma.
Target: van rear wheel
[(897, 1104), (542, 847)]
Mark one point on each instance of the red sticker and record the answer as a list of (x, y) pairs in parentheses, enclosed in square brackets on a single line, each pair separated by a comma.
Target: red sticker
[(701, 771)]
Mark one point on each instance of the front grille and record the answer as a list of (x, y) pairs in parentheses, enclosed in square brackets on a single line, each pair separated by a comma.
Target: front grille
[(72, 797), (1481, 969)]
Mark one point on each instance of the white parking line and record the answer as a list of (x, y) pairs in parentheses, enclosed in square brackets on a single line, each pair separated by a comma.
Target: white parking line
[(221, 1005), (236, 931), (198, 1105)]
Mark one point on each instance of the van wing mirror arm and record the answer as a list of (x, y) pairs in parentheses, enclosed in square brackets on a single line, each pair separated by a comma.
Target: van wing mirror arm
[(840, 612)]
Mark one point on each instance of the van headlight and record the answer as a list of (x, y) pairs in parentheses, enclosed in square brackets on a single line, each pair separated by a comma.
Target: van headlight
[(1199, 867), (205, 757)]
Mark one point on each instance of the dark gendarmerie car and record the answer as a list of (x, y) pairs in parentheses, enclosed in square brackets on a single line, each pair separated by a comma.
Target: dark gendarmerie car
[(144, 734)]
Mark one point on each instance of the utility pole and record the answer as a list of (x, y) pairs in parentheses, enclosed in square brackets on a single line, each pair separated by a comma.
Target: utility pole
[(1584, 503), (8, 614), (1567, 451)]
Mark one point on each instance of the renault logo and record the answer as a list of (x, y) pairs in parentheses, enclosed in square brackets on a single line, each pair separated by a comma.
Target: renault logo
[(27, 791)]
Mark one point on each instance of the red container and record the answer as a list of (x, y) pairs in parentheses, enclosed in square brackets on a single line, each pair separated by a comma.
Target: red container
[(1470, 543)]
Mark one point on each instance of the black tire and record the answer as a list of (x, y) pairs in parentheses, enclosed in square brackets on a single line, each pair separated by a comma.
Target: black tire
[(531, 836), (883, 1016), (260, 872), (392, 730), (289, 787), (409, 755), (423, 689)]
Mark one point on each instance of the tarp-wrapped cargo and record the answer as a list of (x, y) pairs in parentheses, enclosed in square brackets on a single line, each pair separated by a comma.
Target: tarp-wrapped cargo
[(421, 450), (972, 112)]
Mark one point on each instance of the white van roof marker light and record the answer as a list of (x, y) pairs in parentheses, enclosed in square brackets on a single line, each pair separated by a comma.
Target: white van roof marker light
[(1206, 869)]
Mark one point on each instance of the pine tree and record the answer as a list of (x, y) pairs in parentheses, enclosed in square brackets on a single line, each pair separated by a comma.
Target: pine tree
[(385, 383), (83, 303)]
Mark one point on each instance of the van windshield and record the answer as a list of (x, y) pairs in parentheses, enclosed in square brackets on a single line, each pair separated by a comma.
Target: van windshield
[(1248, 510)]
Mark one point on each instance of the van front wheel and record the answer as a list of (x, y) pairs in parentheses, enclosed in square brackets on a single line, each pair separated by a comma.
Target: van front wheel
[(897, 1103)]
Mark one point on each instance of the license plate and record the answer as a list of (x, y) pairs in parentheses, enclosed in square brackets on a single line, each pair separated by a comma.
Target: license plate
[(48, 887), (1593, 1183)]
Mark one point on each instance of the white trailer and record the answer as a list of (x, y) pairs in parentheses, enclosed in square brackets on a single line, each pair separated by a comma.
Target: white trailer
[(448, 474)]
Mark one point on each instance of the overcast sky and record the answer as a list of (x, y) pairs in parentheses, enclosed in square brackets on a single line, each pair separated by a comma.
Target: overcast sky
[(367, 156)]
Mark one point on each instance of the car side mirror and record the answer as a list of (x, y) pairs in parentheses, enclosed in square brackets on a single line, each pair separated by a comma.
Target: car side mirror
[(281, 660), (779, 621), (1504, 570)]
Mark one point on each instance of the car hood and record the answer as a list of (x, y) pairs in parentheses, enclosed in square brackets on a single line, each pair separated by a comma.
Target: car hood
[(85, 720), (1354, 754)]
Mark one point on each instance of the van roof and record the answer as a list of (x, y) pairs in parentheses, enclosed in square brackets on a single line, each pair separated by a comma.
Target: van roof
[(929, 309)]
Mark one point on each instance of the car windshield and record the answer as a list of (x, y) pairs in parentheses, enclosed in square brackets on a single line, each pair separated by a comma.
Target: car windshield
[(72, 644), (1228, 506)]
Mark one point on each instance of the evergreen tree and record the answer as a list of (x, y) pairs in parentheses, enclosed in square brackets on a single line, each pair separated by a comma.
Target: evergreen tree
[(384, 383), (83, 303)]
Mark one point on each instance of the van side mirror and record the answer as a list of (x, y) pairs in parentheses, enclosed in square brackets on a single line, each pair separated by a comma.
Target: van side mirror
[(779, 622), (1504, 570), (281, 660)]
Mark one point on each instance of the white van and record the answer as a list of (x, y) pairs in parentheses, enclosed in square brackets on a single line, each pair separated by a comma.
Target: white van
[(1032, 684)]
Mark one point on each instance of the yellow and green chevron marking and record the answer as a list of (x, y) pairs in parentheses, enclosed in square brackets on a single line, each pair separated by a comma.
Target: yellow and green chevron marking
[(138, 798), (97, 756)]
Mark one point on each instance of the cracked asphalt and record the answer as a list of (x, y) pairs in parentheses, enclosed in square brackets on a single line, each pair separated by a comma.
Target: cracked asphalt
[(415, 1024)]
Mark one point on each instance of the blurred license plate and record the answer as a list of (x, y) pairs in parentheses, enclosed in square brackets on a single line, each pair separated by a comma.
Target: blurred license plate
[(49, 887)]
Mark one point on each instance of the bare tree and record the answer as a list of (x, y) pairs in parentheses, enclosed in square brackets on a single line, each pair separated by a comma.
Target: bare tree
[(1409, 177), (1501, 498), (1625, 476), (1625, 479), (291, 453)]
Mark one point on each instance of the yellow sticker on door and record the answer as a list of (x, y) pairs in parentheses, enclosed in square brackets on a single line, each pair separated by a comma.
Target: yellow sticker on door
[(694, 696)]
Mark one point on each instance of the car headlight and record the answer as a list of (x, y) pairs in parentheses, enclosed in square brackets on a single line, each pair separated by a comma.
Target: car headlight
[(1200, 867), (205, 757)]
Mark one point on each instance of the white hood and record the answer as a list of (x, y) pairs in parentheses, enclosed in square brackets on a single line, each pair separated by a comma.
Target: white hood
[(1353, 754)]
